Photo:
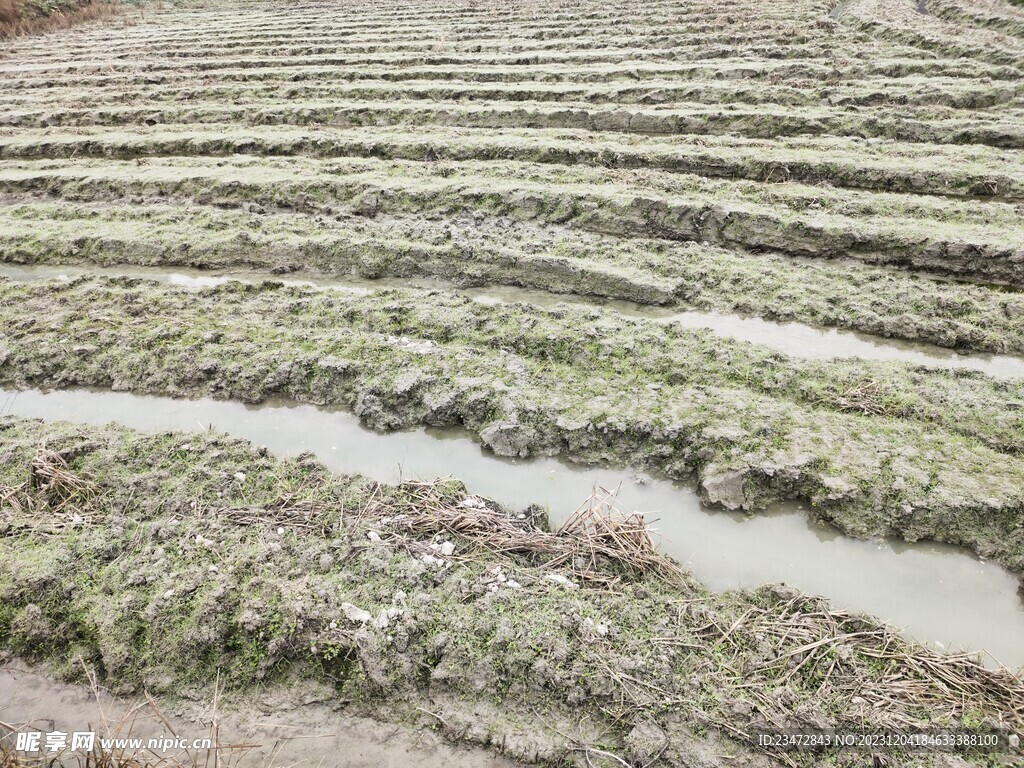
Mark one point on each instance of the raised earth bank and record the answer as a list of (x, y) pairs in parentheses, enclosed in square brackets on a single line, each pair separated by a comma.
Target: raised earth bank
[(948, 598), (877, 448), (844, 164), (474, 249), (163, 561)]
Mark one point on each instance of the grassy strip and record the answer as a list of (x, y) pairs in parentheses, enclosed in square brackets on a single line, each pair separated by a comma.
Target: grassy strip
[(745, 68), (34, 17), (476, 250), (940, 170), (983, 241), (167, 561), (999, 129), (957, 94), (754, 426), (900, 21), (994, 16)]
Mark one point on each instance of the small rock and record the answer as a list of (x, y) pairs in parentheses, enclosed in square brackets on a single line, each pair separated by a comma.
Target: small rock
[(509, 439), (725, 488), (447, 549), (741, 707), (240, 477), (373, 536), (352, 613), (560, 579), (646, 742)]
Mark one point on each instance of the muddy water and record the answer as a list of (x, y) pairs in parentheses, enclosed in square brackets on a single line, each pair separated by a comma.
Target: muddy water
[(789, 338), (188, 278), (937, 594), (280, 728)]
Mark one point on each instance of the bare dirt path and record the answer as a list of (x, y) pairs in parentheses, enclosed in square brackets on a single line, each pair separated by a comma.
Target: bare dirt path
[(297, 726)]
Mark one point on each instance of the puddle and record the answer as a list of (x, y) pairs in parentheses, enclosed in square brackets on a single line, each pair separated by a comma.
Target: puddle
[(191, 278), (789, 338), (273, 730), (938, 594), (799, 340)]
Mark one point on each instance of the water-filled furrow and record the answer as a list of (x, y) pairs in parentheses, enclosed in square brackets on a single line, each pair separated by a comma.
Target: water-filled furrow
[(935, 593), (790, 338)]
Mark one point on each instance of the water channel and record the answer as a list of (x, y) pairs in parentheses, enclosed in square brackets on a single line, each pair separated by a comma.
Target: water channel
[(789, 338), (938, 594)]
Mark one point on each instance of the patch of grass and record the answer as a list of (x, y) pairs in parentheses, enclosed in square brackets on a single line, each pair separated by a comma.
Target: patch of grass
[(199, 587), (35, 17)]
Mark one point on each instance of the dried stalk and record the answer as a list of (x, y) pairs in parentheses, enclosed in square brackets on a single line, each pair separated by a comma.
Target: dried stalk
[(597, 536)]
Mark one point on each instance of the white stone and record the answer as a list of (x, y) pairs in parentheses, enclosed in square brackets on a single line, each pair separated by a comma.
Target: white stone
[(560, 579), (352, 613)]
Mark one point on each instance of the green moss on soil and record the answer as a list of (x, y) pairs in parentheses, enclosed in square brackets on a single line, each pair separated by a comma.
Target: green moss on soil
[(938, 456), (197, 555), (473, 249)]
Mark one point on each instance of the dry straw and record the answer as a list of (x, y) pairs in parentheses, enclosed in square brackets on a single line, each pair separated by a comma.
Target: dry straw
[(599, 543), (51, 487), (15, 22)]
